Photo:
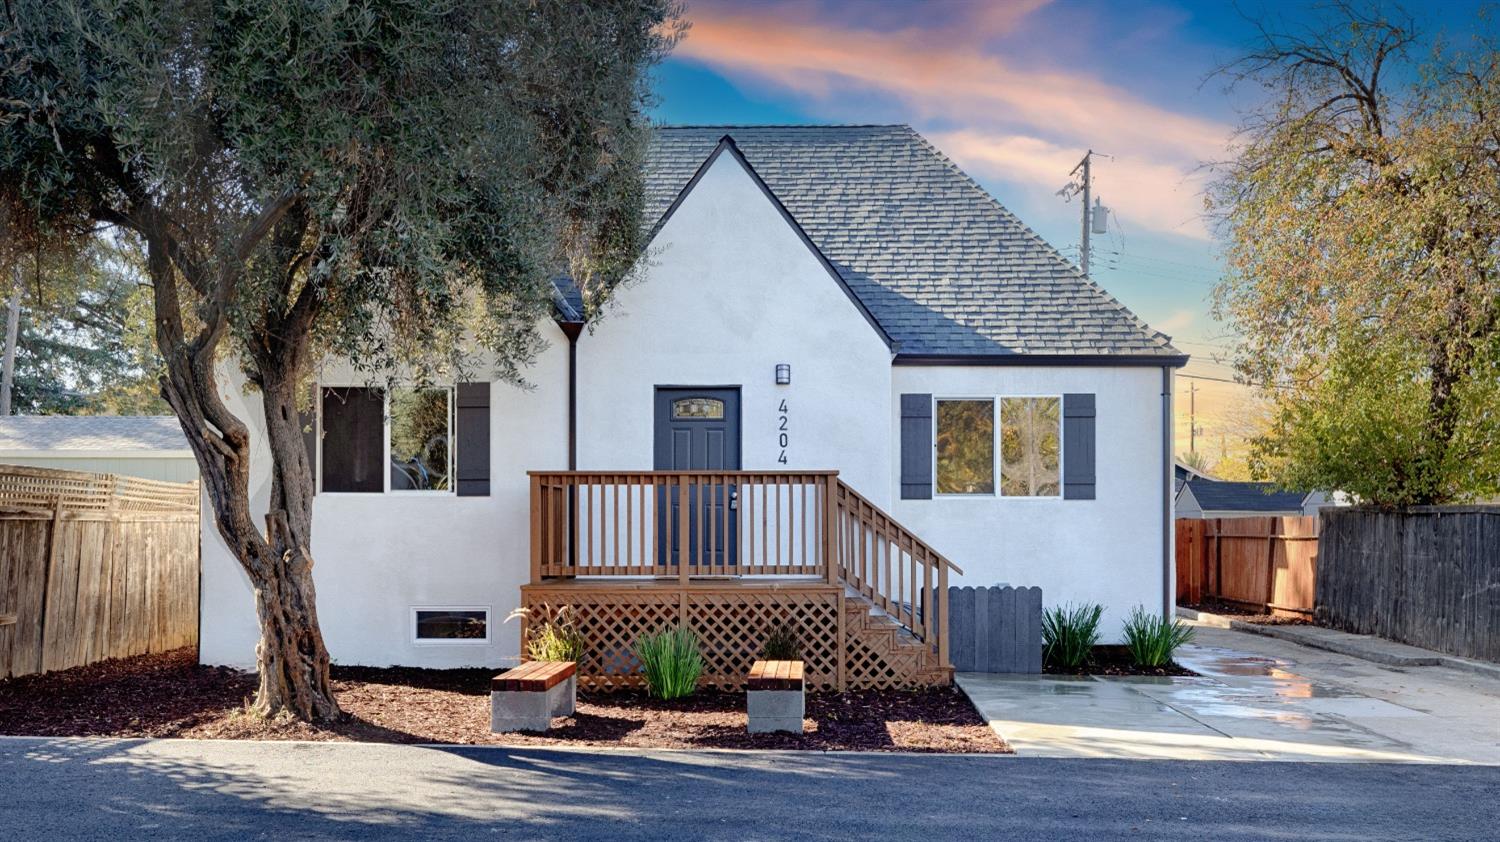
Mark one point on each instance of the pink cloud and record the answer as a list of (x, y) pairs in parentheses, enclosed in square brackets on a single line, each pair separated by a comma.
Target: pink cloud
[(1018, 121)]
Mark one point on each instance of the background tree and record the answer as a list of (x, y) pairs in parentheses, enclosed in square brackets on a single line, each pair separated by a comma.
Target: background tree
[(1362, 224), (377, 179), (85, 343)]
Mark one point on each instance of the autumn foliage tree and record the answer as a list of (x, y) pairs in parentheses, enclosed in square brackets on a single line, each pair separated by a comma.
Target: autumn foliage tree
[(1362, 226), (378, 179)]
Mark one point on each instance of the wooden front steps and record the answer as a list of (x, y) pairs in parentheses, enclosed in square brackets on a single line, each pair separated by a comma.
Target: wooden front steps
[(882, 653)]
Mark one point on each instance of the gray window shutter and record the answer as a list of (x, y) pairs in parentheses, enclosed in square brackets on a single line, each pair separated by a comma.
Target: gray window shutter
[(1078, 447), (916, 447), (472, 423), (308, 419)]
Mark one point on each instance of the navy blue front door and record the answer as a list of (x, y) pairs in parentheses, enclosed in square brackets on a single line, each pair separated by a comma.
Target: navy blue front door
[(698, 430)]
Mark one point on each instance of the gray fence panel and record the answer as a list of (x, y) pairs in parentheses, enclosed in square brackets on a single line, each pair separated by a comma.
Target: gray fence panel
[(995, 629), (1428, 576)]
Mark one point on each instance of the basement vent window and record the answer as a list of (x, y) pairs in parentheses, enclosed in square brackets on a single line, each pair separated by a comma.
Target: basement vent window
[(451, 624)]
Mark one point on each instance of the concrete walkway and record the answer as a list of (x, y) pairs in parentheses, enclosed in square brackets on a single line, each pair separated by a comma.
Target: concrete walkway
[(1257, 698), (210, 790)]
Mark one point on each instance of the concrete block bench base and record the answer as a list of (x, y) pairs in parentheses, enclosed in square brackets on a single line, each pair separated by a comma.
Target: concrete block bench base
[(775, 710), (774, 697), (529, 697)]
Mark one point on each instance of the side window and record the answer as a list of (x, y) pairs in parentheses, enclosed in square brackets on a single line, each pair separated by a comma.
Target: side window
[(1030, 447), (353, 443), (965, 447), (421, 440)]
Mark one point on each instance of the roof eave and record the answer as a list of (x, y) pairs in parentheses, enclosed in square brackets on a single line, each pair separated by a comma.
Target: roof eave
[(1014, 359)]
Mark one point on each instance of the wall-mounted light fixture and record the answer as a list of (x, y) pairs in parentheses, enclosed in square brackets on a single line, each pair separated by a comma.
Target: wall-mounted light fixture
[(783, 374)]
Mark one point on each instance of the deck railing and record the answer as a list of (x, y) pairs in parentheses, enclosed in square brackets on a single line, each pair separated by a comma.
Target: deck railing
[(695, 524)]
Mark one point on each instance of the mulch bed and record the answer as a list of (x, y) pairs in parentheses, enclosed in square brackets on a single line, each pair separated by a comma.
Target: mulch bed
[(1248, 614), (171, 695), (1116, 660)]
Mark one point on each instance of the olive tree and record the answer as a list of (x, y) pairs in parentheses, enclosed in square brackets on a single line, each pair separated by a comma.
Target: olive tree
[(1362, 228), (391, 181)]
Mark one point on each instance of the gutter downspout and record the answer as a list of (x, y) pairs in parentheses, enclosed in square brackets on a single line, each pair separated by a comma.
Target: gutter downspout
[(572, 331), (1168, 583)]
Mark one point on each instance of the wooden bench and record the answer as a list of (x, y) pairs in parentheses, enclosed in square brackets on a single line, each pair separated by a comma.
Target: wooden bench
[(528, 697), (775, 697)]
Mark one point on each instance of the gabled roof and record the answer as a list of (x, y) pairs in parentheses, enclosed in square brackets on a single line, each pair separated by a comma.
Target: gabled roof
[(91, 433), (946, 271), (1216, 496)]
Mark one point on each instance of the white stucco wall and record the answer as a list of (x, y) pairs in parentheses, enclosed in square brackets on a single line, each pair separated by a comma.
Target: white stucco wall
[(378, 555), (1107, 550), (731, 291)]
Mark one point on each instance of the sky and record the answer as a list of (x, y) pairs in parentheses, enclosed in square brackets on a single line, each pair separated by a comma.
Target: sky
[(1015, 92)]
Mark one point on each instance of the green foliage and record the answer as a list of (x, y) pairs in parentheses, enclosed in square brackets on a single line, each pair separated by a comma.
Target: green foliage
[(1152, 639), (1069, 634), (85, 345), (670, 661), (1363, 260), (782, 644), (556, 640)]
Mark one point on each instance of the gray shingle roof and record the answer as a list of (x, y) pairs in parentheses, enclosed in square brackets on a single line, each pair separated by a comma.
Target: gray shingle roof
[(943, 267), (144, 433), (1216, 496)]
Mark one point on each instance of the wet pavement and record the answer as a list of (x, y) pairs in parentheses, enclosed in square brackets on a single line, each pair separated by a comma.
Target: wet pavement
[(1256, 698)]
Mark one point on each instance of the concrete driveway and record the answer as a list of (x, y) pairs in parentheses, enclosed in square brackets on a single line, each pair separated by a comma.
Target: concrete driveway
[(1256, 699)]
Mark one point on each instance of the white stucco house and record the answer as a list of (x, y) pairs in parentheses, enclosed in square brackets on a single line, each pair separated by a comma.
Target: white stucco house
[(816, 299)]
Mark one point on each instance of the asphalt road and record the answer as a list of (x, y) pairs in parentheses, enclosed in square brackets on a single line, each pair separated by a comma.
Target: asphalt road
[(128, 789)]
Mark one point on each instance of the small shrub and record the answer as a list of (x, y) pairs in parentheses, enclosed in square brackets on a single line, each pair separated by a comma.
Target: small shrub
[(671, 662), (781, 644), (1152, 639), (1069, 633), (553, 640)]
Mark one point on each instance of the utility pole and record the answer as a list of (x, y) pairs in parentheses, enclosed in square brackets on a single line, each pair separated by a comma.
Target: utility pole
[(1192, 418), (1083, 249), (1094, 217), (12, 328)]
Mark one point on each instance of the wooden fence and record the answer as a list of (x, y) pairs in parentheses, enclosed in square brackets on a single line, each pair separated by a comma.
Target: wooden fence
[(1260, 562), (1428, 576), (94, 566)]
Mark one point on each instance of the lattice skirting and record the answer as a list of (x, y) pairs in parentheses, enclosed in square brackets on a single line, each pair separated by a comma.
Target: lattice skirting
[(732, 623)]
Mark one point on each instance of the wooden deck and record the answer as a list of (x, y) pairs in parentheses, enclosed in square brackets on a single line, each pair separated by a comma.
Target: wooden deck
[(731, 555)]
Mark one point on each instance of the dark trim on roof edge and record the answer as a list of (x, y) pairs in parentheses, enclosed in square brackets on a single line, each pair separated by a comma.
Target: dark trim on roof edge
[(1164, 360), (727, 142)]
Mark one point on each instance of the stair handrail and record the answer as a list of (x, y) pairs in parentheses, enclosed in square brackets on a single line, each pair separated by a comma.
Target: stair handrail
[(856, 517)]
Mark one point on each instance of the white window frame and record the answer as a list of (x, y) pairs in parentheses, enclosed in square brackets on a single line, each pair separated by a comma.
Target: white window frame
[(452, 489), (489, 626), (998, 466), (1062, 443), (385, 427), (994, 446)]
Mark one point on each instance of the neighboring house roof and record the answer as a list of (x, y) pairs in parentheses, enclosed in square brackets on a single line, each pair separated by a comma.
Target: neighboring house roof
[(942, 267), (1182, 473), (1215, 496), (146, 434)]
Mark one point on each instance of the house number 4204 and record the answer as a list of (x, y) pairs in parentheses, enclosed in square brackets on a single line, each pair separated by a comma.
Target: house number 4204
[(781, 430)]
